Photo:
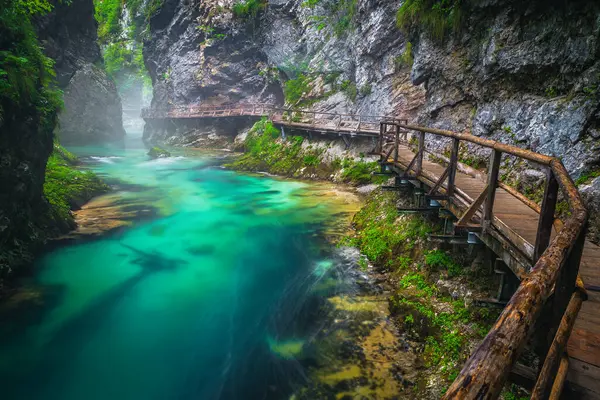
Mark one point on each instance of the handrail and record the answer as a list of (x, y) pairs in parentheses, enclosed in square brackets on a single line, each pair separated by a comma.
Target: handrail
[(556, 261), (254, 109), (556, 271)]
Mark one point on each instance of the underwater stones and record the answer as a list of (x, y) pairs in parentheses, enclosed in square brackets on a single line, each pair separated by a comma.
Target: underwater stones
[(158, 152)]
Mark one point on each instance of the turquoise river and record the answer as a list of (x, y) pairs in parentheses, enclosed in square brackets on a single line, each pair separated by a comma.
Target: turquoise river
[(213, 289)]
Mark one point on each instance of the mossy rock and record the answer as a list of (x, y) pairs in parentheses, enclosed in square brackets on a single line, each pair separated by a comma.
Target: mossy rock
[(157, 152)]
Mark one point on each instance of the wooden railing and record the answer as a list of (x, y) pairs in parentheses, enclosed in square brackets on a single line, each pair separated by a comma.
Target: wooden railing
[(553, 277), (348, 123), (555, 270)]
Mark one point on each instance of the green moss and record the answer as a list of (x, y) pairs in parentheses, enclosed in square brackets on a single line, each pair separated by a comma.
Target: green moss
[(438, 17), (587, 177), (158, 152), (381, 235), (67, 188), (265, 152), (360, 172)]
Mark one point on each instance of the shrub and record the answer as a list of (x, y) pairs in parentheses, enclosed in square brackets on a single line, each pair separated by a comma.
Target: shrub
[(366, 89), (349, 88), (248, 9), (438, 17)]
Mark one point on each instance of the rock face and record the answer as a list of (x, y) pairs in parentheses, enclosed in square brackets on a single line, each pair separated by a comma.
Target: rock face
[(524, 73), (91, 107), (93, 111)]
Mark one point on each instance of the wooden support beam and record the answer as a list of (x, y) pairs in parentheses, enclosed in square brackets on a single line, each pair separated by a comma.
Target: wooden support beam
[(396, 143), (453, 166), (411, 164), (439, 182), (546, 220), (420, 152), (466, 217), (493, 172)]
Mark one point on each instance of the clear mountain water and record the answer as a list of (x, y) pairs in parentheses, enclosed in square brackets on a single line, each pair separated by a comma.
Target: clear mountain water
[(214, 297)]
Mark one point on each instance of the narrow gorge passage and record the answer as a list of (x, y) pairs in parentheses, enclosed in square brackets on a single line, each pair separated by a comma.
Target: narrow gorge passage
[(216, 295)]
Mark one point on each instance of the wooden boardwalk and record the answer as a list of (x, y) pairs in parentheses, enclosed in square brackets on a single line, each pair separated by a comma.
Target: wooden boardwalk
[(526, 234), (584, 343)]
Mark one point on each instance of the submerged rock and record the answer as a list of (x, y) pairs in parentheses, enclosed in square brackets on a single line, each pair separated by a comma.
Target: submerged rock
[(157, 152)]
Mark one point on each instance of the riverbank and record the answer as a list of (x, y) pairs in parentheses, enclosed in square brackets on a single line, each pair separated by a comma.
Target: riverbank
[(66, 189), (422, 314)]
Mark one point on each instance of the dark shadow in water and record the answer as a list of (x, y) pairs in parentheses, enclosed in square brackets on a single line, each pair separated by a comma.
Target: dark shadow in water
[(69, 339)]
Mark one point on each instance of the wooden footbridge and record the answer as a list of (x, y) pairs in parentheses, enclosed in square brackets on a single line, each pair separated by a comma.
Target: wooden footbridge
[(552, 258)]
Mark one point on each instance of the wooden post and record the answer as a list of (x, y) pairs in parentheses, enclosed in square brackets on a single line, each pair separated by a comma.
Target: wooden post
[(420, 151), (565, 286), (396, 142), (493, 172), (546, 220), (453, 166), (380, 144)]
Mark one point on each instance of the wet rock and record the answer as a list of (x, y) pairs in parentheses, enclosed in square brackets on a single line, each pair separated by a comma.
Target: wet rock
[(157, 152)]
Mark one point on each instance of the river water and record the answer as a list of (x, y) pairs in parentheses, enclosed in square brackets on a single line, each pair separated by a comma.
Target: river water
[(215, 293)]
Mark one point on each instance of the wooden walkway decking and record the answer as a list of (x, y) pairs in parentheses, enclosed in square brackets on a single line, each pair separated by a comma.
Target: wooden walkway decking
[(584, 343)]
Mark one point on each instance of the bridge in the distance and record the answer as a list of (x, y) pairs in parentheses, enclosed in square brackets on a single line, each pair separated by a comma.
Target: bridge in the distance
[(551, 257)]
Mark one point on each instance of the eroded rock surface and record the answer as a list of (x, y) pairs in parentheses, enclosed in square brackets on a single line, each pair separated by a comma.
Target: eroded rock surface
[(524, 73)]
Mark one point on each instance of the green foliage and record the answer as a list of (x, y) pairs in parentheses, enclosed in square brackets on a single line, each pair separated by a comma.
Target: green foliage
[(295, 89), (416, 280), (248, 9), (363, 263), (310, 3), (25, 73), (265, 151), (366, 89), (438, 17), (342, 16), (587, 177), (381, 235), (360, 172), (67, 188), (405, 59), (437, 259), (349, 88), (551, 91), (108, 16)]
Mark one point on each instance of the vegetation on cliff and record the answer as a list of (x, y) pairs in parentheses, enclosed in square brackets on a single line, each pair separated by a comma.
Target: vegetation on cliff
[(32, 210), (26, 73), (123, 50), (266, 150), (67, 188)]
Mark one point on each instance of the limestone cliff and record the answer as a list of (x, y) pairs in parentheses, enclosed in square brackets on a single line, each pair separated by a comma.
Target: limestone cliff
[(525, 73), (93, 111)]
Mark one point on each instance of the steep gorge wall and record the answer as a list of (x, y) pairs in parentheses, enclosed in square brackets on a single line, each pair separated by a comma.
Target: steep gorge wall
[(524, 73), (92, 111)]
